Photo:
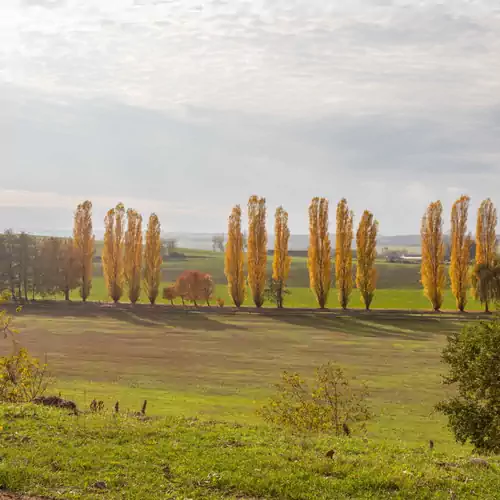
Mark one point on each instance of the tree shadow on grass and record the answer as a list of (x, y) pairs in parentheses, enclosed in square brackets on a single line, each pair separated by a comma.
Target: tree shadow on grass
[(409, 328), (184, 319), (142, 315)]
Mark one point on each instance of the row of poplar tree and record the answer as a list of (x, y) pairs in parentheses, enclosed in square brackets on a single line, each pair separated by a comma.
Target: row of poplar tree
[(319, 253), (482, 276), (33, 266)]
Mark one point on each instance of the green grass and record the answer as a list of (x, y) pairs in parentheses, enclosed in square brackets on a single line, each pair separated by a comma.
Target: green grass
[(224, 366), (303, 297), (204, 376), (47, 452), (389, 275)]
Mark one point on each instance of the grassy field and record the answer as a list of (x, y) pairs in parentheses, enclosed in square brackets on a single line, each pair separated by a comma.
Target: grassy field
[(388, 298), (204, 376), (389, 275), (398, 285), (225, 365)]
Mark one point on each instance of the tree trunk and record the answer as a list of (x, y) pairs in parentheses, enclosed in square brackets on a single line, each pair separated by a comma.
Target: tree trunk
[(66, 294)]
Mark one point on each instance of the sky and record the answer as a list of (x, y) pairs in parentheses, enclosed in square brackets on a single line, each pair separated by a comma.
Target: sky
[(186, 108)]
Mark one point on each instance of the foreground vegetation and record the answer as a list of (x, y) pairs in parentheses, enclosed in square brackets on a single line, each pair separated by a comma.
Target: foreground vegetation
[(45, 451)]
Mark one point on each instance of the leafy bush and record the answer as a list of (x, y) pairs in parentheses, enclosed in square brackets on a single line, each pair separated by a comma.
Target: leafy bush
[(22, 377), (330, 405), (473, 358)]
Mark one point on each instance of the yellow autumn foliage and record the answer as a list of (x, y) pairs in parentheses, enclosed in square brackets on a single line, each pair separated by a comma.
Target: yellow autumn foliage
[(432, 270), (257, 248), (234, 258), (461, 243), (319, 251), (83, 240), (366, 245)]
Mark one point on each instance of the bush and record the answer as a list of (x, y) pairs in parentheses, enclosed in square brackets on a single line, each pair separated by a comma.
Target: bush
[(330, 405), (22, 377), (473, 358), (220, 302)]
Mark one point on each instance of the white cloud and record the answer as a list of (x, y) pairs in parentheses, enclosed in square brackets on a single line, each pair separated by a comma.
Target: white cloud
[(195, 104)]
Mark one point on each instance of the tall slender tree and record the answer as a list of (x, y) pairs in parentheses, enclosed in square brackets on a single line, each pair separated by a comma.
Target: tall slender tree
[(319, 251), (343, 252), (486, 243), (432, 267), (257, 248), (133, 255), (281, 260), (234, 257), (366, 243), (461, 242), (152, 259), (112, 252), (83, 239)]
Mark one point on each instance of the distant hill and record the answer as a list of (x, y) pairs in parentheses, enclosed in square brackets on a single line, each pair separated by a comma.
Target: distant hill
[(203, 241)]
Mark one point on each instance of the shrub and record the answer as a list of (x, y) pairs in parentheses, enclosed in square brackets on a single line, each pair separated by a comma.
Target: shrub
[(330, 405), (220, 302), (170, 293), (276, 292), (473, 358), (22, 377)]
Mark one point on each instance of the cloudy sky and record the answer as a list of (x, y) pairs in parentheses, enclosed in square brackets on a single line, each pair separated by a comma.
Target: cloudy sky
[(186, 107)]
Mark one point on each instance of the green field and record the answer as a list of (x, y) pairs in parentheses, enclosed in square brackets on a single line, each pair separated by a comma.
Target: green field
[(218, 369), (388, 298), (398, 285)]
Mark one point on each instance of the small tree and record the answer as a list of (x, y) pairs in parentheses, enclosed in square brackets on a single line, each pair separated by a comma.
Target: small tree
[(194, 286), (332, 404), (276, 292), (473, 358), (169, 293)]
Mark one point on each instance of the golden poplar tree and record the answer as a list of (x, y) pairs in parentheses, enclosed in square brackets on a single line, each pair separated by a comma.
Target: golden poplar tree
[(133, 255), (432, 268), (460, 251), (343, 253), (486, 248), (83, 239), (152, 259), (112, 252), (281, 260), (257, 248), (233, 258), (366, 244), (319, 251)]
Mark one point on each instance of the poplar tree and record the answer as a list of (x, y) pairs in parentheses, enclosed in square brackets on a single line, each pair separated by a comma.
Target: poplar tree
[(152, 259), (233, 258), (343, 253), (112, 252), (133, 255), (486, 243), (83, 239), (257, 248), (319, 251), (460, 251), (432, 267), (281, 260), (366, 244)]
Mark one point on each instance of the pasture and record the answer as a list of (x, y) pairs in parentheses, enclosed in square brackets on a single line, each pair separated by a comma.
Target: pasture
[(204, 375), (224, 365)]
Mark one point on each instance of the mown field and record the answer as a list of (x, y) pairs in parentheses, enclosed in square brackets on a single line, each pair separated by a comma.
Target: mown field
[(218, 369)]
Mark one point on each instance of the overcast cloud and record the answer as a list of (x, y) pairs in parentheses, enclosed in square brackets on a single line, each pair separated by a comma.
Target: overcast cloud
[(188, 107)]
